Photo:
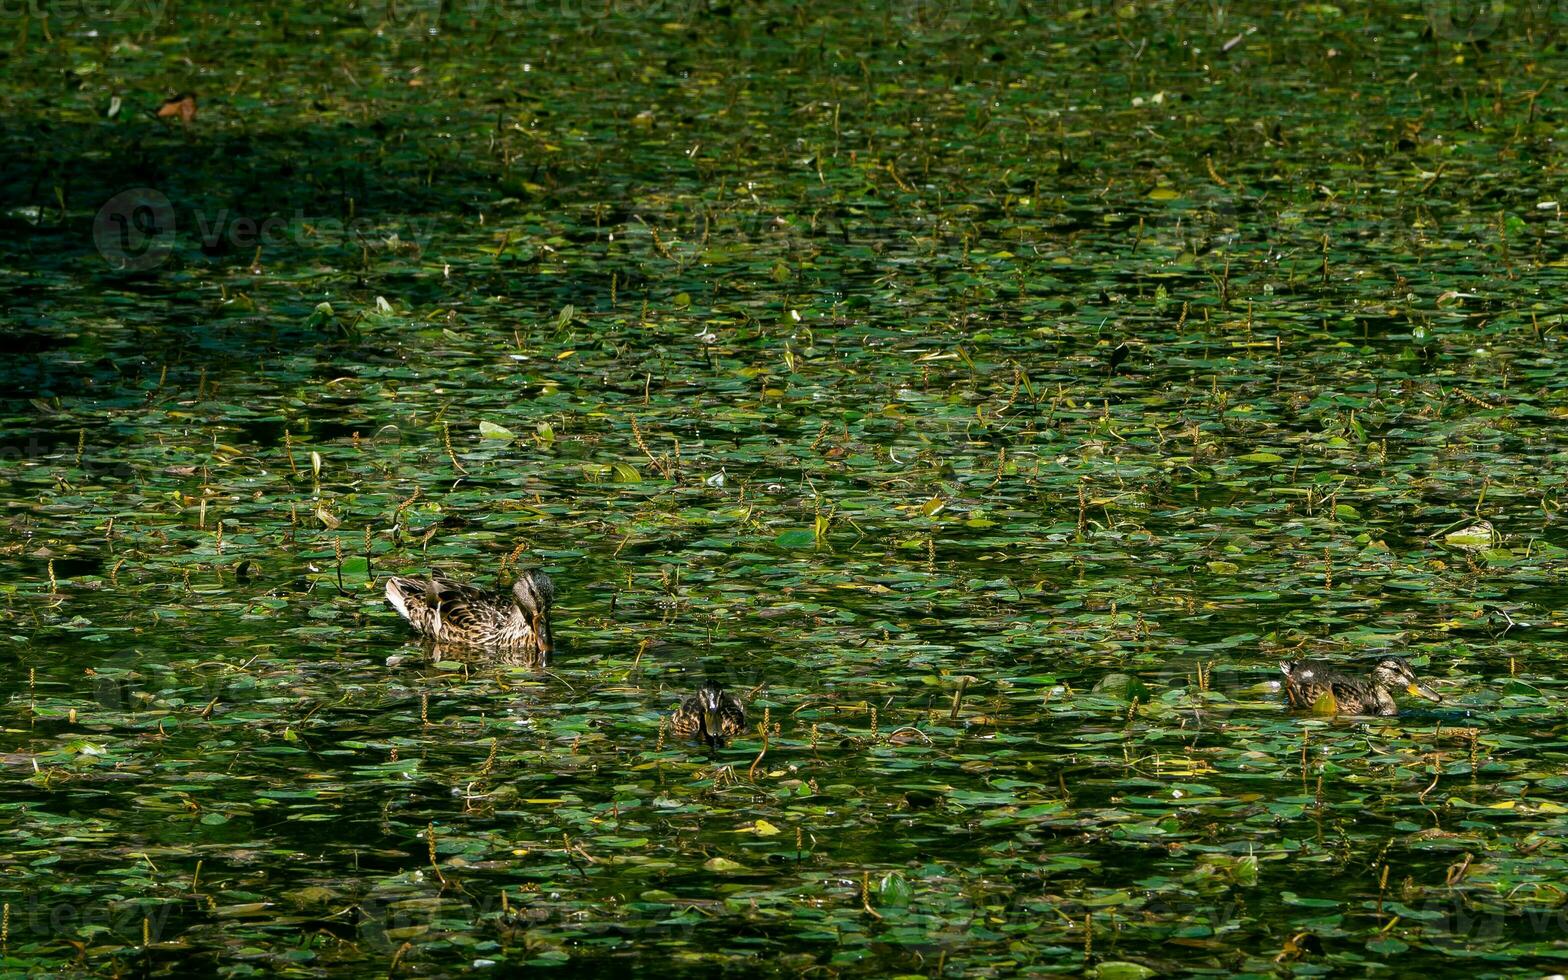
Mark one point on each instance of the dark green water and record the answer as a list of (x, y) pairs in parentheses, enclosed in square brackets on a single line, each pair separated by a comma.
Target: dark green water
[(783, 337)]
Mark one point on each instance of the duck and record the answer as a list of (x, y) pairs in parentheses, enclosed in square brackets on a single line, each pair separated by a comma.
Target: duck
[(1309, 682), (712, 714), (448, 613)]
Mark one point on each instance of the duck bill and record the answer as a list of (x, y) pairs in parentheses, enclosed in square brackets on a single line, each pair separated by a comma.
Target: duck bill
[(542, 632), (1422, 691), (710, 722)]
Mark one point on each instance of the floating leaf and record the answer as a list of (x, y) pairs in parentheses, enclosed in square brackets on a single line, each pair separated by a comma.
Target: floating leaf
[(894, 890), (1122, 970), (490, 430), (797, 538), (1473, 538)]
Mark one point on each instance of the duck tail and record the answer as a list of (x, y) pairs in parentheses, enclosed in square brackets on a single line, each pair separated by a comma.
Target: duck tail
[(1287, 667), (397, 589)]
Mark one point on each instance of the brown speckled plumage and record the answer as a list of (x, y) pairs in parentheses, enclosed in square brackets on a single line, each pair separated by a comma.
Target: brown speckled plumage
[(1321, 685), (712, 714), (514, 622)]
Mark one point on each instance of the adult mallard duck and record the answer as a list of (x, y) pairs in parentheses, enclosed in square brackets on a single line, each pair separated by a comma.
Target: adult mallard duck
[(516, 623), (712, 714), (1321, 685)]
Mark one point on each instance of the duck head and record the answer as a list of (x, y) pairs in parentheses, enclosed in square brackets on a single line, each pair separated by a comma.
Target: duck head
[(1392, 672), (708, 698), (534, 594)]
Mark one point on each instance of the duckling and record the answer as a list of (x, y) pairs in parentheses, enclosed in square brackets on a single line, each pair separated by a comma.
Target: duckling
[(515, 623), (1308, 682), (712, 714)]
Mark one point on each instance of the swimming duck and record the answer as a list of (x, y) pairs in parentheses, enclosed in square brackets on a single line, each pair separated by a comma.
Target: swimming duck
[(712, 714), (1309, 682), (451, 614)]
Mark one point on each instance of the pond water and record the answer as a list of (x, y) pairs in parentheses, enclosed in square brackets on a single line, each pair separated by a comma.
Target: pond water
[(990, 394)]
